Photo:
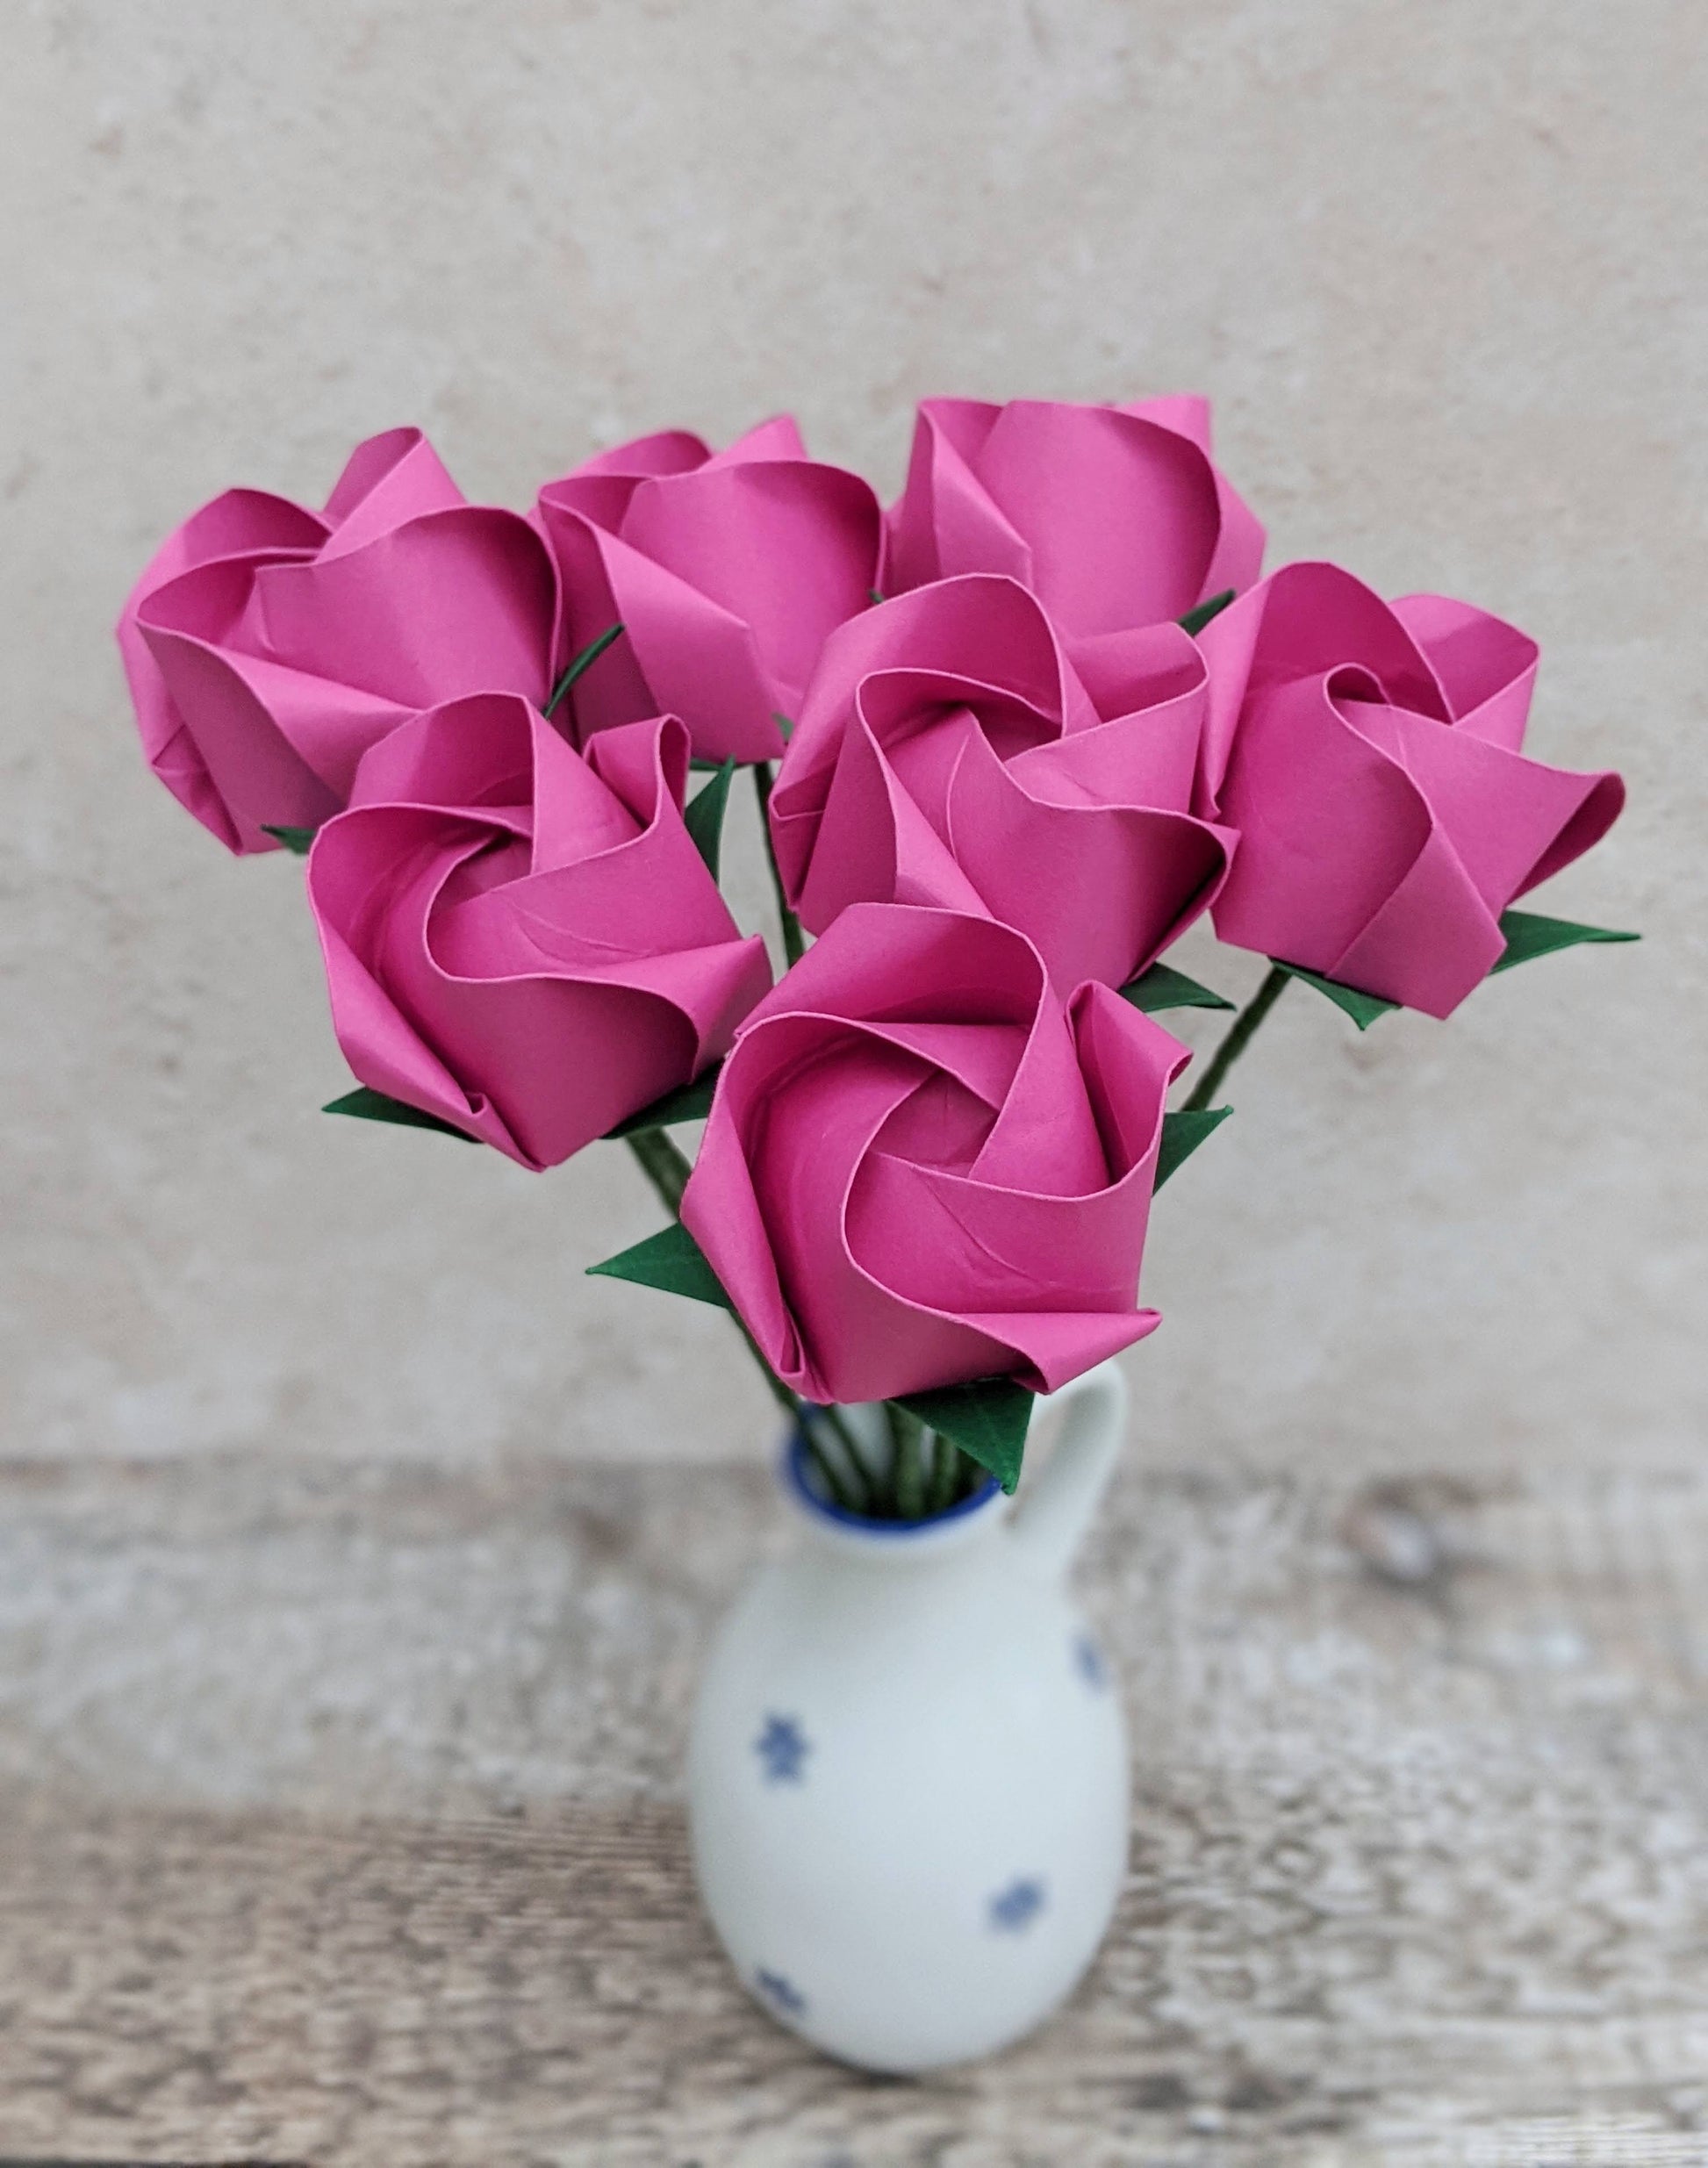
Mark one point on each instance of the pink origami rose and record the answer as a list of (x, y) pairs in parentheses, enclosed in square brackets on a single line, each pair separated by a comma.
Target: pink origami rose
[(921, 1166), (1114, 515), (727, 570), (950, 751), (1369, 754), (267, 646), (521, 940)]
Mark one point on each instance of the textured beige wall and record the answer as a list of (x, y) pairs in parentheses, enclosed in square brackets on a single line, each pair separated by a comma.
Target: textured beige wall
[(1441, 267)]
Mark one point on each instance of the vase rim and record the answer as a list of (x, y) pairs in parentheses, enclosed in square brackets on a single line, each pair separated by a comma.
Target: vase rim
[(840, 1521)]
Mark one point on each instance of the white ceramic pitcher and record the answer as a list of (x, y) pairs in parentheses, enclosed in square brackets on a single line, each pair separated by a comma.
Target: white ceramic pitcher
[(907, 1774)]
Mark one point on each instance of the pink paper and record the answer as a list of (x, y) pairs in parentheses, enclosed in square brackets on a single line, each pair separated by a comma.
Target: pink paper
[(951, 751), (1114, 516), (267, 646), (521, 940), (922, 1167), (726, 572), (1369, 755)]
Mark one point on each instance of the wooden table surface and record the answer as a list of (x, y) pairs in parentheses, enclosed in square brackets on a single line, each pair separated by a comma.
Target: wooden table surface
[(343, 1824)]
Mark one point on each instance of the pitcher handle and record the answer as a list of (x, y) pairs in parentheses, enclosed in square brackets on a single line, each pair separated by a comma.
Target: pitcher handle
[(1054, 1511)]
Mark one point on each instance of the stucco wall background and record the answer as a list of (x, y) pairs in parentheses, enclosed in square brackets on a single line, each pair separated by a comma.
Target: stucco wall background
[(1441, 267)]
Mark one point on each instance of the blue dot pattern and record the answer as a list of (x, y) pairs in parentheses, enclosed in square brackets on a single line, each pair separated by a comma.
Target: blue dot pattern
[(1013, 1910), (780, 1993), (782, 1748), (1088, 1662)]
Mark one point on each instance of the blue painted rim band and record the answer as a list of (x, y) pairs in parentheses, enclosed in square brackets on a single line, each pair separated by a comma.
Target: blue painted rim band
[(794, 1477)]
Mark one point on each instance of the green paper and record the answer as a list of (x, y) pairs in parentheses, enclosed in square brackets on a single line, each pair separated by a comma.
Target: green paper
[(1162, 986), (986, 1419), (689, 1103), (371, 1106), (1363, 1008), (1528, 934), (1182, 1133), (582, 662), (785, 723), (299, 839), (1194, 621), (704, 818), (874, 597), (671, 1260)]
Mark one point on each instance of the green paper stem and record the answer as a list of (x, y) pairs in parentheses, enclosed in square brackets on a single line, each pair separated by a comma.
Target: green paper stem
[(836, 1488), (1239, 1038), (663, 1166), (667, 1169), (907, 1462), (848, 1482), (947, 1468), (794, 943), (832, 1420)]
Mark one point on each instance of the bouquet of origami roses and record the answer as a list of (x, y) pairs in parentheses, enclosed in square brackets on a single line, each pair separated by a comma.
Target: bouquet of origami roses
[(1010, 738)]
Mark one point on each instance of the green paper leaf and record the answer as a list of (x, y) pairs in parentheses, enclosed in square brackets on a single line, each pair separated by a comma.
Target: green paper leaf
[(785, 723), (299, 839), (1363, 1008), (371, 1106), (1162, 986), (1528, 934), (874, 596), (582, 663), (671, 1260), (689, 1103), (1196, 619), (704, 818), (1182, 1133), (986, 1419)]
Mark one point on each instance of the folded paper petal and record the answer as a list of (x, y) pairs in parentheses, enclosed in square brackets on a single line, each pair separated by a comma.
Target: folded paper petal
[(1114, 516), (921, 1166), (268, 646), (1370, 757), (728, 573), (521, 940), (949, 753)]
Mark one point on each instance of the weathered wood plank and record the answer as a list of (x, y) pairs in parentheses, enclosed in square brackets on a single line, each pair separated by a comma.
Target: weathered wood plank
[(341, 1826)]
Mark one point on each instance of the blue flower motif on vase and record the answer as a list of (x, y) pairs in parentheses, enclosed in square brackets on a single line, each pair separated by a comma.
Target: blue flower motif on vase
[(780, 1993), (1013, 1910), (1088, 1662), (782, 1748)]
